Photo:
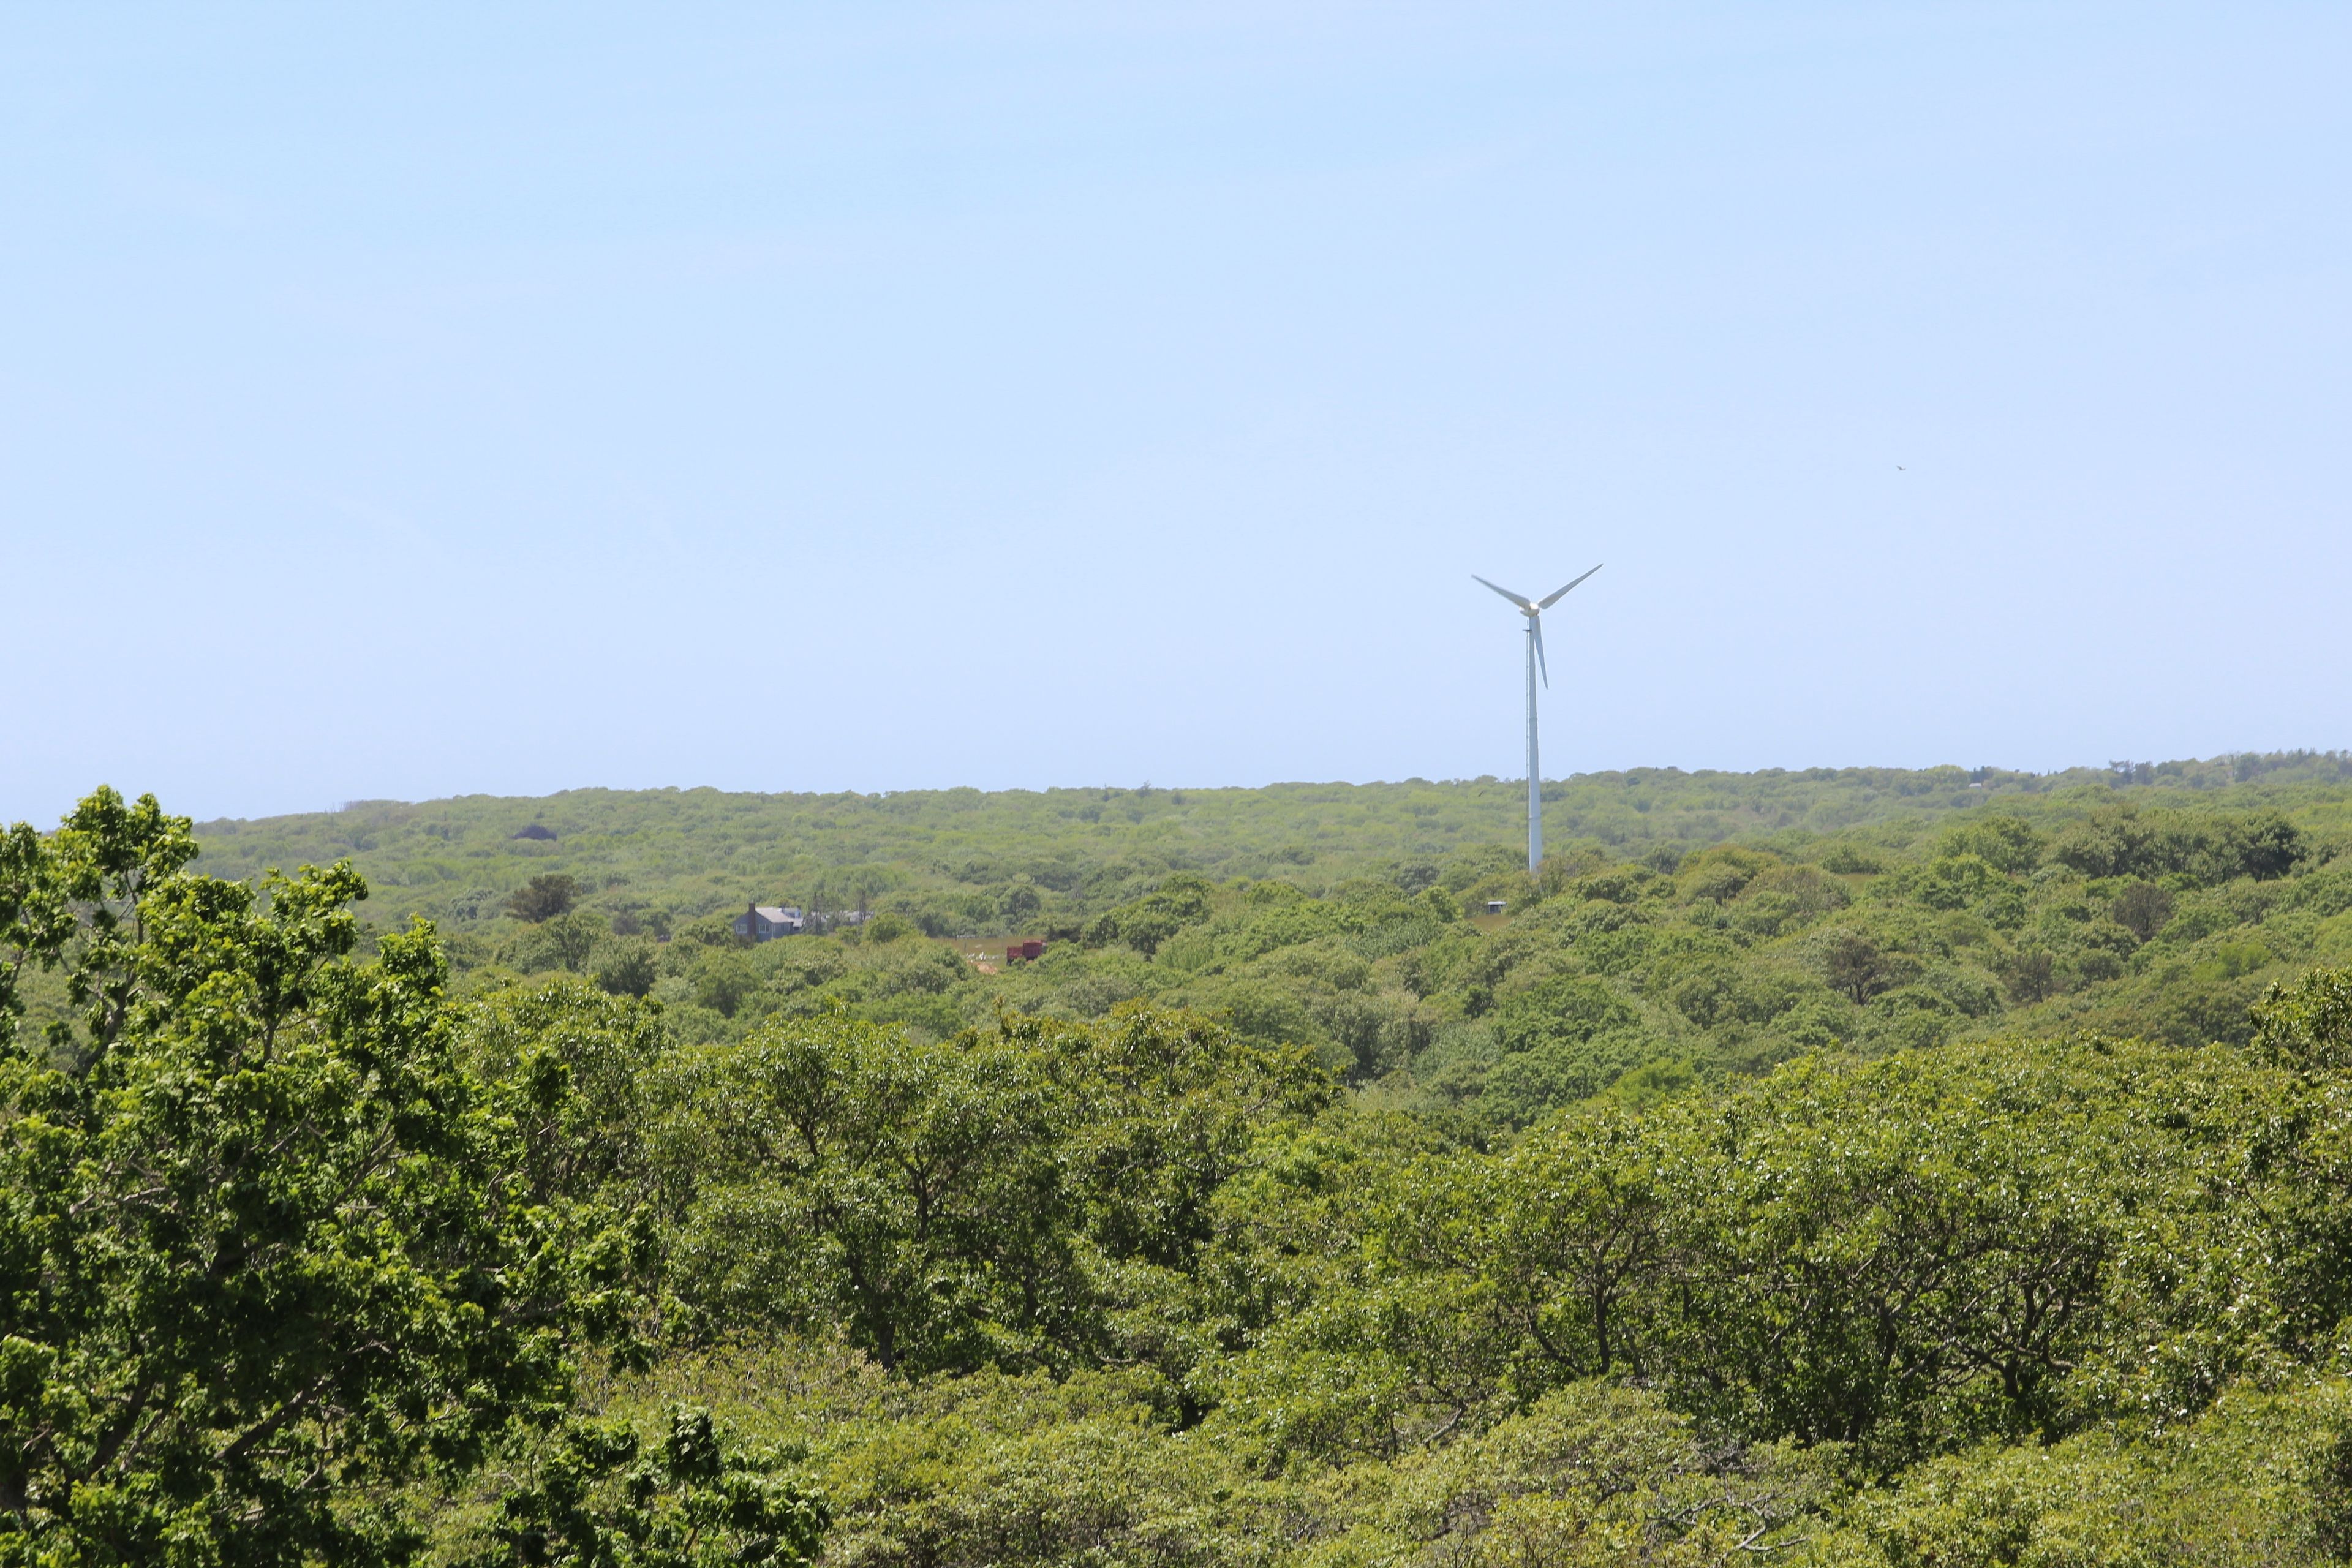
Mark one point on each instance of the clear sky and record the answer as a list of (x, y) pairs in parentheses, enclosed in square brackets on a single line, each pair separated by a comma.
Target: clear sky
[(415, 400)]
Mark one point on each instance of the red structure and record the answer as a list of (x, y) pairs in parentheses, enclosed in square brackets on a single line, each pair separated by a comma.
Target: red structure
[(1016, 951)]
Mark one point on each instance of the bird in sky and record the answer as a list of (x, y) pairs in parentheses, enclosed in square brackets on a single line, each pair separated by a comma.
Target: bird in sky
[(1901, 469)]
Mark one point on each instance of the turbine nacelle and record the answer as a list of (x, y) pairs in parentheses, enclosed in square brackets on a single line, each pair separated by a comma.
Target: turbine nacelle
[(1533, 609)]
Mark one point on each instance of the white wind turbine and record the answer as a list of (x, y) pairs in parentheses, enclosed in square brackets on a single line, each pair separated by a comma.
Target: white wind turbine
[(1533, 609)]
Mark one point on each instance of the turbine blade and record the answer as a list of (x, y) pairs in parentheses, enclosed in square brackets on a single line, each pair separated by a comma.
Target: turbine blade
[(1535, 623), (1521, 600), (1547, 604)]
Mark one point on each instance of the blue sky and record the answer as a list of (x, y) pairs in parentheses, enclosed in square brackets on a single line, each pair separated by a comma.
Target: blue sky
[(412, 401)]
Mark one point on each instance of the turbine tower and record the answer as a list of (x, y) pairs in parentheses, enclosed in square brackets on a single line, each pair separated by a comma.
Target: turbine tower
[(1533, 609)]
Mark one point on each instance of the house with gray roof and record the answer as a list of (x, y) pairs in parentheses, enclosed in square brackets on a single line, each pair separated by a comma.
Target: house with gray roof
[(765, 922)]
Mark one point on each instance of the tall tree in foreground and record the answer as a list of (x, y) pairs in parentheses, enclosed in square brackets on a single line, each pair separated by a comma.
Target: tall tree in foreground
[(267, 1252)]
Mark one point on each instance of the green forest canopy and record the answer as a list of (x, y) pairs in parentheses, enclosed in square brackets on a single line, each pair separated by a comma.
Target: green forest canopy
[(1687, 927), (1860, 1168), (964, 859)]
